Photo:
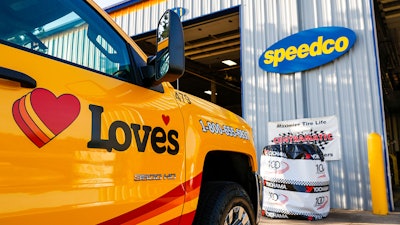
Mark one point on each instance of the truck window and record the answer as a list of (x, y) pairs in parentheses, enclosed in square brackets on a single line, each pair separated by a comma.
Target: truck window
[(65, 30)]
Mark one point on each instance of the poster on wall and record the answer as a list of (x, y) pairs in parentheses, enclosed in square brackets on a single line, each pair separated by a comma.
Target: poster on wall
[(322, 131)]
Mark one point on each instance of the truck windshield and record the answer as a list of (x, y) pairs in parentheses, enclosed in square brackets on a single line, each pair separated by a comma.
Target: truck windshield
[(68, 30)]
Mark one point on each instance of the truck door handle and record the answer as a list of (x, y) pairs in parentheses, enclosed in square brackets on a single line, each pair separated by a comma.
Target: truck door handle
[(25, 80)]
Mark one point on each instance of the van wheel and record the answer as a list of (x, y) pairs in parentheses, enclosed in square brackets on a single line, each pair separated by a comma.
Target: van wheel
[(224, 203)]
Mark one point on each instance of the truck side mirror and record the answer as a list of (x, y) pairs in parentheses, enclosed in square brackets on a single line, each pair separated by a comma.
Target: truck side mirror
[(169, 61)]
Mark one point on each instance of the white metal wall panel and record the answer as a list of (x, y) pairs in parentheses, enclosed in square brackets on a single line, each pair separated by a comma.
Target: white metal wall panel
[(348, 87), (143, 17)]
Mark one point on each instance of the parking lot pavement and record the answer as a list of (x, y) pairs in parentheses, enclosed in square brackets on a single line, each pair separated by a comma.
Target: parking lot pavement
[(341, 217)]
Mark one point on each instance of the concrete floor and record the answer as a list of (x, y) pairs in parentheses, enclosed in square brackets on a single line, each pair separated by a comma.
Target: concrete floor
[(341, 217)]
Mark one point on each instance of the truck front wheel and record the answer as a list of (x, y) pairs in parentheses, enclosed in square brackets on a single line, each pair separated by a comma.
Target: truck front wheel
[(224, 203)]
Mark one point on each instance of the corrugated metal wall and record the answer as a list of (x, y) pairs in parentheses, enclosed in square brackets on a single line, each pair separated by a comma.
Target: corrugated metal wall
[(143, 17), (348, 87)]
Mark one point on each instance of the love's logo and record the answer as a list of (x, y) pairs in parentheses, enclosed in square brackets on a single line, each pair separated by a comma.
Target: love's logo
[(42, 116), (165, 118), (122, 135)]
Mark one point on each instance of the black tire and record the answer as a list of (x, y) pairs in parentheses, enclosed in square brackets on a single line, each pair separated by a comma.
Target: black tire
[(224, 203)]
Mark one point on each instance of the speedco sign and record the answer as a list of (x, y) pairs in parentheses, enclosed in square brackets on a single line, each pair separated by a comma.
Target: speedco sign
[(307, 49)]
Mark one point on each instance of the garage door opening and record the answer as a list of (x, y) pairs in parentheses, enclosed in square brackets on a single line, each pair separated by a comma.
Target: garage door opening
[(212, 57), (387, 17)]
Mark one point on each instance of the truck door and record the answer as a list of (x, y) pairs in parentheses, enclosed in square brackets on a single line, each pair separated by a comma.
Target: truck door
[(81, 138)]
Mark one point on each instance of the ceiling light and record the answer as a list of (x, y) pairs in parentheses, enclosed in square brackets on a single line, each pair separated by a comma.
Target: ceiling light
[(229, 62), (209, 92)]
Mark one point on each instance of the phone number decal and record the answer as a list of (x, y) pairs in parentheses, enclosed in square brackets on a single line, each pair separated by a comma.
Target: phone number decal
[(216, 128)]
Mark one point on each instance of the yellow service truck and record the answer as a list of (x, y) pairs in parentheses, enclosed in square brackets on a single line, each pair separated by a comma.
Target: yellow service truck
[(92, 132)]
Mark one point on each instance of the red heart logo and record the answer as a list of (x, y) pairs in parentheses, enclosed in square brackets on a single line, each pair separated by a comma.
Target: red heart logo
[(42, 116), (165, 118)]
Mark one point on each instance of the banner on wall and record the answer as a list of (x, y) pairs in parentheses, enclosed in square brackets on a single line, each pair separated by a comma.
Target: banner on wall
[(322, 131)]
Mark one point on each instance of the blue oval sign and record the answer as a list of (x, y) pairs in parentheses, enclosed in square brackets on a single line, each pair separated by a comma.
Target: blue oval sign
[(180, 11), (307, 49)]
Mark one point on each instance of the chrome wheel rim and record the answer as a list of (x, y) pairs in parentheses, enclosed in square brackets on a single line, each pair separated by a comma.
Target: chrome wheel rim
[(237, 216)]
